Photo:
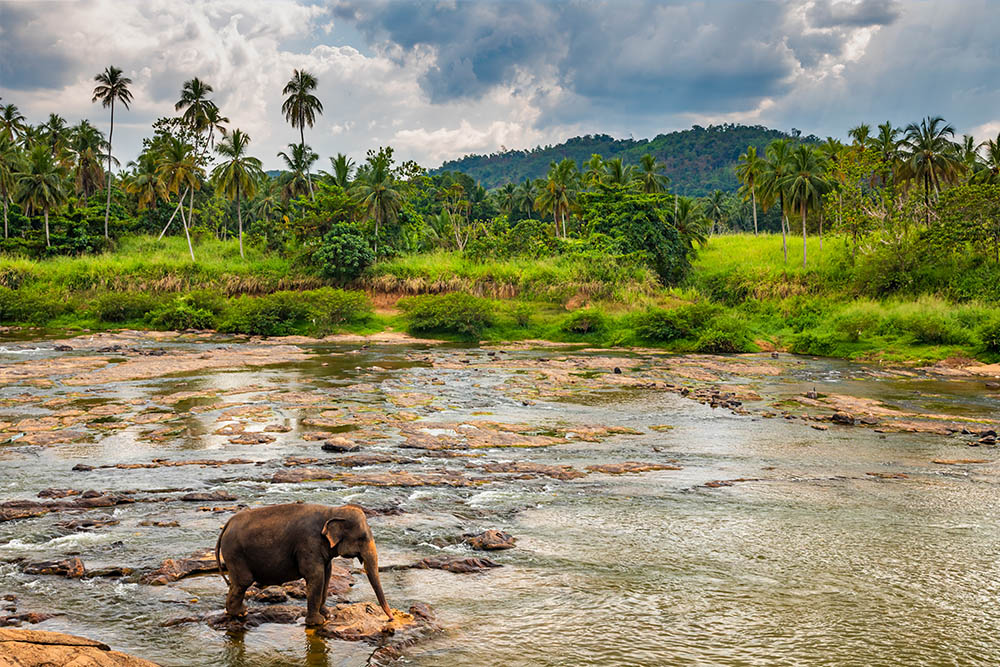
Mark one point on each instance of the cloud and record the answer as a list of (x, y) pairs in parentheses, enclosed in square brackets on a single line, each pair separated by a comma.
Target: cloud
[(437, 79)]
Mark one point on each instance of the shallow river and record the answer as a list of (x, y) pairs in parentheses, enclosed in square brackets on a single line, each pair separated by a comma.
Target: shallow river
[(812, 561)]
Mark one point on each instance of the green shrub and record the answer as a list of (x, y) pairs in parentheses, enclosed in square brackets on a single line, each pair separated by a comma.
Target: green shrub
[(122, 306), (725, 334), (30, 306), (810, 342), (209, 300), (856, 321), (277, 314), (455, 313), (662, 325), (585, 321), (344, 253), (521, 312), (181, 313), (330, 307), (989, 334)]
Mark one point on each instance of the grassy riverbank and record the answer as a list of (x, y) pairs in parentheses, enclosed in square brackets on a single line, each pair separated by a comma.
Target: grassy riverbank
[(740, 296)]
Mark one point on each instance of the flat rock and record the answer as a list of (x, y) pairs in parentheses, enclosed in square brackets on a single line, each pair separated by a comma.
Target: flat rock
[(173, 569), (491, 540), (252, 439), (340, 445), (41, 648), (956, 462), (71, 567), (449, 564), (528, 470), (208, 496), (630, 467), (297, 475), (363, 621)]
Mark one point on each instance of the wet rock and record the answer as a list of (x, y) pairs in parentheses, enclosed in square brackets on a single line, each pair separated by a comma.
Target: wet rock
[(37, 647), (269, 595), (160, 524), (12, 513), (993, 385), (820, 427), (200, 562), (955, 462), (408, 479), (82, 467), (341, 581), (844, 418), (208, 496), (298, 475), (62, 348), (888, 475), (449, 564), (718, 483), (87, 524), (252, 439), (529, 470), (71, 567), (282, 614), (363, 621), (58, 493), (32, 617), (988, 440), (491, 540), (340, 445), (630, 466), (113, 572), (277, 428)]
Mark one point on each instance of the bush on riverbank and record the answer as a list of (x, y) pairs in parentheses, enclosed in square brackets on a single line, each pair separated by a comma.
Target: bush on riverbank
[(459, 314)]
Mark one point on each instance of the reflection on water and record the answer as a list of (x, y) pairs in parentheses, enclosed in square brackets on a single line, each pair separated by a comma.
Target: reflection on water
[(817, 562)]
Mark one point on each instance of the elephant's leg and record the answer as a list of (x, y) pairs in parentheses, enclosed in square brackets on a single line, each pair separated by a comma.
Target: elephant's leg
[(326, 591), (315, 588), (240, 580)]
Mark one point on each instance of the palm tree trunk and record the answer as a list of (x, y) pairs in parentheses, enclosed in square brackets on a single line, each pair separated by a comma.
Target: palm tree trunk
[(180, 203), (784, 223), (186, 234), (927, 201), (111, 133), (239, 217), (803, 235), (302, 137), (753, 194), (47, 243), (555, 218), (5, 216), (564, 223), (376, 238), (821, 229), (190, 218)]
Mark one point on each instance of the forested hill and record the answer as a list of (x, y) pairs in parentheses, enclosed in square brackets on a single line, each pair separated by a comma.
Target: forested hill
[(698, 160)]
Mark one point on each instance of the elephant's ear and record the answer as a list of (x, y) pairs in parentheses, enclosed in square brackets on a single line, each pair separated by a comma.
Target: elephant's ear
[(332, 530)]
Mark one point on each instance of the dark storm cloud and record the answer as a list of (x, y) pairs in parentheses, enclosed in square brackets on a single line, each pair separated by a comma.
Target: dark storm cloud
[(30, 59), (827, 14)]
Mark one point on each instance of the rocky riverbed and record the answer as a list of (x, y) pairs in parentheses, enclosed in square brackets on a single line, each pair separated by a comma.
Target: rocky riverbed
[(527, 500)]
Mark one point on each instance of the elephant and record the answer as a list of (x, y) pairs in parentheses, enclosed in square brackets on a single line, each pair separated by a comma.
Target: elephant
[(281, 543)]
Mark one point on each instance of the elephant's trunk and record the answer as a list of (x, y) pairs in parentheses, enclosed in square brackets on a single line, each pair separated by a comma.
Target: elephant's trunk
[(370, 560)]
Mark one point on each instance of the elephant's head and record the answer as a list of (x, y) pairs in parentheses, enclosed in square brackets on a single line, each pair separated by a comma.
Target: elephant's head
[(350, 537)]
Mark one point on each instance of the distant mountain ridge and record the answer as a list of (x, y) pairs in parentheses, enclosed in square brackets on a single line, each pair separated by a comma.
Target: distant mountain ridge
[(699, 160)]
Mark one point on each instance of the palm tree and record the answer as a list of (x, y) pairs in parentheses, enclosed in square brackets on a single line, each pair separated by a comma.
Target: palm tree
[(967, 154), (144, 183), (750, 170), (11, 123), (593, 173), (805, 185), (377, 191), (11, 158), (527, 194), (777, 156), (861, 135), (214, 121), (238, 174), (41, 184), (689, 221), (177, 165), (832, 151), (716, 210), (87, 143), (111, 87), (197, 107), (991, 172), (616, 172), (297, 164), (56, 134), (343, 166), (650, 174), (301, 107), (929, 157), (507, 198), (559, 195)]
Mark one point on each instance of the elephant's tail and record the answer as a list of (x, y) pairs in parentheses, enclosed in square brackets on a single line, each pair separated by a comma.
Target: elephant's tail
[(218, 545)]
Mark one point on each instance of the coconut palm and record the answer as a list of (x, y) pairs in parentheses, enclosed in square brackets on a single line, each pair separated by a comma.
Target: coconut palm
[(717, 210), (238, 174), (87, 145), (343, 166), (11, 159), (929, 157), (776, 166), (967, 154), (527, 194), (378, 193), (861, 135), (832, 151), (559, 195), (507, 198), (749, 171), (144, 183), (616, 172), (301, 107), (214, 122), (111, 87), (12, 123), (593, 172), (297, 161), (41, 185), (56, 134), (991, 168), (650, 174), (196, 105), (689, 221), (177, 166), (805, 184)]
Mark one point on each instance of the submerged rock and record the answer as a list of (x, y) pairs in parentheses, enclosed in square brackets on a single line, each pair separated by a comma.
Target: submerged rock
[(449, 564), (491, 540), (527, 470), (38, 647), (208, 496), (200, 562), (630, 466), (845, 418), (70, 567)]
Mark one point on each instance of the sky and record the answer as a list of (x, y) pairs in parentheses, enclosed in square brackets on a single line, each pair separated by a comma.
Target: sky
[(443, 78)]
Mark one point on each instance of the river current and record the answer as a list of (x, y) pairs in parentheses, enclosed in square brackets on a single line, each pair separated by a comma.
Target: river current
[(844, 546)]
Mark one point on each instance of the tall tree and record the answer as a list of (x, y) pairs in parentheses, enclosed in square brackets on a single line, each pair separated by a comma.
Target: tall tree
[(527, 194), (717, 210), (750, 170), (343, 167), (689, 221), (617, 172), (12, 123), (593, 172), (144, 183), (87, 144), (507, 196), (197, 107), (301, 107), (861, 135), (41, 186), (805, 184), (297, 161), (777, 156), (991, 162), (112, 86), (238, 174), (378, 192), (177, 166), (651, 173), (11, 159), (56, 134), (929, 157), (559, 195)]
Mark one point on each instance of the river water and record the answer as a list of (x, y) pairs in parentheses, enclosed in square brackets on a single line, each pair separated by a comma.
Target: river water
[(814, 561)]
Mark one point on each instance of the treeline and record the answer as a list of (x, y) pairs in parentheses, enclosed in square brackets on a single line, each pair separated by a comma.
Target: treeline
[(698, 161)]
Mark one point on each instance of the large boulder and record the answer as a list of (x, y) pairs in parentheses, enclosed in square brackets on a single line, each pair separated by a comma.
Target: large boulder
[(24, 648)]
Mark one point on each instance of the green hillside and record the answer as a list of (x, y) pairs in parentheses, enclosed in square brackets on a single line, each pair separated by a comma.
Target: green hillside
[(698, 160)]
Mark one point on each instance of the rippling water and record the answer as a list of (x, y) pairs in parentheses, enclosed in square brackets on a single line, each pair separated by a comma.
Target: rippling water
[(818, 563)]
